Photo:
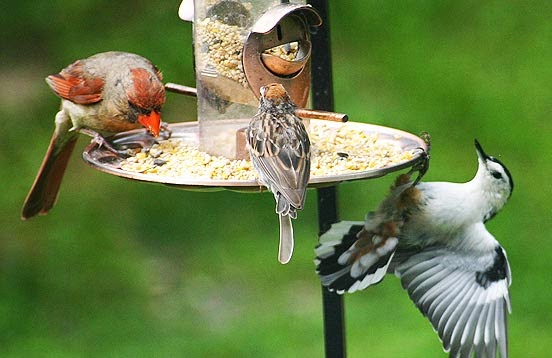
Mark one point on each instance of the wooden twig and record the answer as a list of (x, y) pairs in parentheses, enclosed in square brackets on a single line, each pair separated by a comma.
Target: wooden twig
[(301, 112)]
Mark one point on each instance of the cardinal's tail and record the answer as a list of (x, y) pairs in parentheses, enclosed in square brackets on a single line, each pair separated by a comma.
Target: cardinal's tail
[(45, 189)]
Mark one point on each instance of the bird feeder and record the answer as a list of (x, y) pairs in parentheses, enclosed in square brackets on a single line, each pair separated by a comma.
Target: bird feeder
[(239, 47)]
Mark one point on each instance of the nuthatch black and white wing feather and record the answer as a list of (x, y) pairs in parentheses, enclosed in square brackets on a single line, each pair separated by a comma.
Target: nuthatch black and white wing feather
[(347, 260), (354, 255), (464, 295)]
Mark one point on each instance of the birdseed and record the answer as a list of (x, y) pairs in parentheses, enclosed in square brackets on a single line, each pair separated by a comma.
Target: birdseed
[(222, 47), (286, 51), (334, 151)]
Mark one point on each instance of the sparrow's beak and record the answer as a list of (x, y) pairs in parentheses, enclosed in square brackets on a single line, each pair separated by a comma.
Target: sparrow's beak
[(152, 122), (480, 152)]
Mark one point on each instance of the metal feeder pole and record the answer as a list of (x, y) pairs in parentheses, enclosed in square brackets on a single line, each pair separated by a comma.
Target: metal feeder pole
[(322, 98)]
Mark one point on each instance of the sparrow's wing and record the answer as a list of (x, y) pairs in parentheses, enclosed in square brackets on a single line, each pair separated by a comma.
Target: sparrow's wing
[(75, 85), (464, 295), (283, 160)]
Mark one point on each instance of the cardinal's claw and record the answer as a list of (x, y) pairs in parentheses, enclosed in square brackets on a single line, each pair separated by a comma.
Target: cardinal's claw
[(102, 142)]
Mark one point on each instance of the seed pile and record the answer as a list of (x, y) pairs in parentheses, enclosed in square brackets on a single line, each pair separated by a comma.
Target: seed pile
[(334, 152), (222, 47), (174, 158), (348, 150), (287, 51)]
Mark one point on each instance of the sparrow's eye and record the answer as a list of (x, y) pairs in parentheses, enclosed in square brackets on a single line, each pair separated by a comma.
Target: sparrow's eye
[(496, 174)]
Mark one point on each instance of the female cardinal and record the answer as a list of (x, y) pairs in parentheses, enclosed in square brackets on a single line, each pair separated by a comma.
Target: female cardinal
[(108, 92), (279, 147)]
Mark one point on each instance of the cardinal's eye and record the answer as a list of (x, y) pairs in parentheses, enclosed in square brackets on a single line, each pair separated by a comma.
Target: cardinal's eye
[(496, 174), (138, 110)]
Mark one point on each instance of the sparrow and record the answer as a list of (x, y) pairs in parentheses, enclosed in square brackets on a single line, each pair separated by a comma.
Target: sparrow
[(433, 237), (279, 148), (109, 92)]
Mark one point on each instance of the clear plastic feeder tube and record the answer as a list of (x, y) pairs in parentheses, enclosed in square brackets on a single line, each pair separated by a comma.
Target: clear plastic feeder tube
[(226, 101)]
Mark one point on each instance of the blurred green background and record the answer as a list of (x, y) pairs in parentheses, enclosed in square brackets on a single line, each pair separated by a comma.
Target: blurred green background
[(128, 269)]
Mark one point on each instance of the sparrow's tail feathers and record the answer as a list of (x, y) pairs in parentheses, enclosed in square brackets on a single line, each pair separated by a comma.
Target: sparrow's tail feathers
[(284, 207), (286, 239), (349, 259), (45, 189)]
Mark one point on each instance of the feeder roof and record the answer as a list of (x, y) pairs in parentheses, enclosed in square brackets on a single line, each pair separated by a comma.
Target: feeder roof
[(272, 17)]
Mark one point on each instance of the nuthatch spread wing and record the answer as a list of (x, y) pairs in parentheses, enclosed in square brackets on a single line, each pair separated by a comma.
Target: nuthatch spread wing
[(433, 236)]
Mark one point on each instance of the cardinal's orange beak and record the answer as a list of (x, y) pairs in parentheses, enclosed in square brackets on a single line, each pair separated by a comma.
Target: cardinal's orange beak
[(152, 122)]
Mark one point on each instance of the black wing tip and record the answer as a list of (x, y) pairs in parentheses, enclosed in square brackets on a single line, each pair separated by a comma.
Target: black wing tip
[(496, 272)]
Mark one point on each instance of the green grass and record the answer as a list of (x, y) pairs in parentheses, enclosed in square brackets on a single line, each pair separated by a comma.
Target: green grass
[(127, 269)]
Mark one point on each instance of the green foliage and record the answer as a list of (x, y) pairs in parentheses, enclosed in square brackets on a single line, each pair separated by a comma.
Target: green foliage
[(127, 269)]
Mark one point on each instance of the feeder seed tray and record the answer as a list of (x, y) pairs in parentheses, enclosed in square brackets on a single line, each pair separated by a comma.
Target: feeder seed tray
[(339, 152)]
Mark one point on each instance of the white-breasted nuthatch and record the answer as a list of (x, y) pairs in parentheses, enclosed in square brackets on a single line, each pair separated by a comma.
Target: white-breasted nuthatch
[(433, 237)]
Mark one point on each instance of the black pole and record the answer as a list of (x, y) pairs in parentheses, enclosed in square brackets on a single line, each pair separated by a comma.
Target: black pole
[(332, 303), (322, 98)]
